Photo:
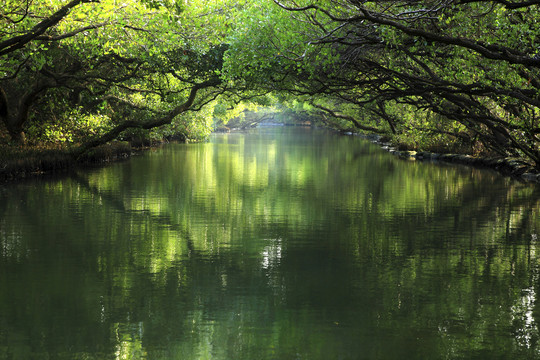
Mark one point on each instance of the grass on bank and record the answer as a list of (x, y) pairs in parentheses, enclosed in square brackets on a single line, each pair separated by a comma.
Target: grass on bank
[(21, 162)]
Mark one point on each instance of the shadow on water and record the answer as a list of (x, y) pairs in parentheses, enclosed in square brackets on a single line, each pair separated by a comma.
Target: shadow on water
[(276, 244)]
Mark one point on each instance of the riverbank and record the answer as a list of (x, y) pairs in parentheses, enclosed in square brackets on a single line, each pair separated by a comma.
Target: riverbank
[(22, 163), (27, 162), (513, 167)]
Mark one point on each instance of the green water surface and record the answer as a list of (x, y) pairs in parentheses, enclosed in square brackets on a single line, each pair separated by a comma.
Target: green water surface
[(276, 244)]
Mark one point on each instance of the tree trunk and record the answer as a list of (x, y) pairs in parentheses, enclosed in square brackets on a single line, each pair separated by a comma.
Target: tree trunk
[(15, 107), (14, 126), (18, 137), (15, 129)]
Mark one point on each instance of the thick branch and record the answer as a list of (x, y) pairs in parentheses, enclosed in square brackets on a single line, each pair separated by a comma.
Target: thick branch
[(165, 119), (489, 51), (20, 41), (507, 4), (349, 118), (71, 33)]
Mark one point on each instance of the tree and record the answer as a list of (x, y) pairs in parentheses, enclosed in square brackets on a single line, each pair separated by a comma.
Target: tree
[(427, 71), (24, 28), (465, 70), (140, 65)]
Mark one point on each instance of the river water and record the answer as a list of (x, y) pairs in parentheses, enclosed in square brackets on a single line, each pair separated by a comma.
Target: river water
[(276, 244)]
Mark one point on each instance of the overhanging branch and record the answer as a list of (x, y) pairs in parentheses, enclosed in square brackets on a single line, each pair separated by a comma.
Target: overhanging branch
[(163, 120), (349, 118), (18, 42)]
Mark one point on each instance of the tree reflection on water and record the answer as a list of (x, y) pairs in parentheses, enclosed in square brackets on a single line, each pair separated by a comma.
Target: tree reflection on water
[(277, 244)]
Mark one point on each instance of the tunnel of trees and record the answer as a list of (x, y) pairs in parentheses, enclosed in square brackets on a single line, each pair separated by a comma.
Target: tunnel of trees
[(434, 75)]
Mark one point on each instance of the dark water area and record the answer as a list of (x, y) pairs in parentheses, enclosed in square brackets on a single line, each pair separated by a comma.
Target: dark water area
[(275, 244)]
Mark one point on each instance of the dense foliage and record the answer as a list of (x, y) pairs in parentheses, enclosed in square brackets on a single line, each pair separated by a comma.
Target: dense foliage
[(89, 70), (432, 74)]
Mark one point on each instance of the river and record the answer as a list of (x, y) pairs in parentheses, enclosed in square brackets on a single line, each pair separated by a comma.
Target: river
[(281, 243)]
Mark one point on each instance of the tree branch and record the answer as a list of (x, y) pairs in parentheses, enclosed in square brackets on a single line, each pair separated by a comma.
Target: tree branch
[(20, 41), (349, 118), (165, 119)]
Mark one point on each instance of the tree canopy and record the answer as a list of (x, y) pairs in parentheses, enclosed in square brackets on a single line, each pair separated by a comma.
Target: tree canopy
[(137, 65), (431, 74), (429, 71)]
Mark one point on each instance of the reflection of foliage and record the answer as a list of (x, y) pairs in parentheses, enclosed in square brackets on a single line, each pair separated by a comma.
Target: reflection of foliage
[(234, 248)]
